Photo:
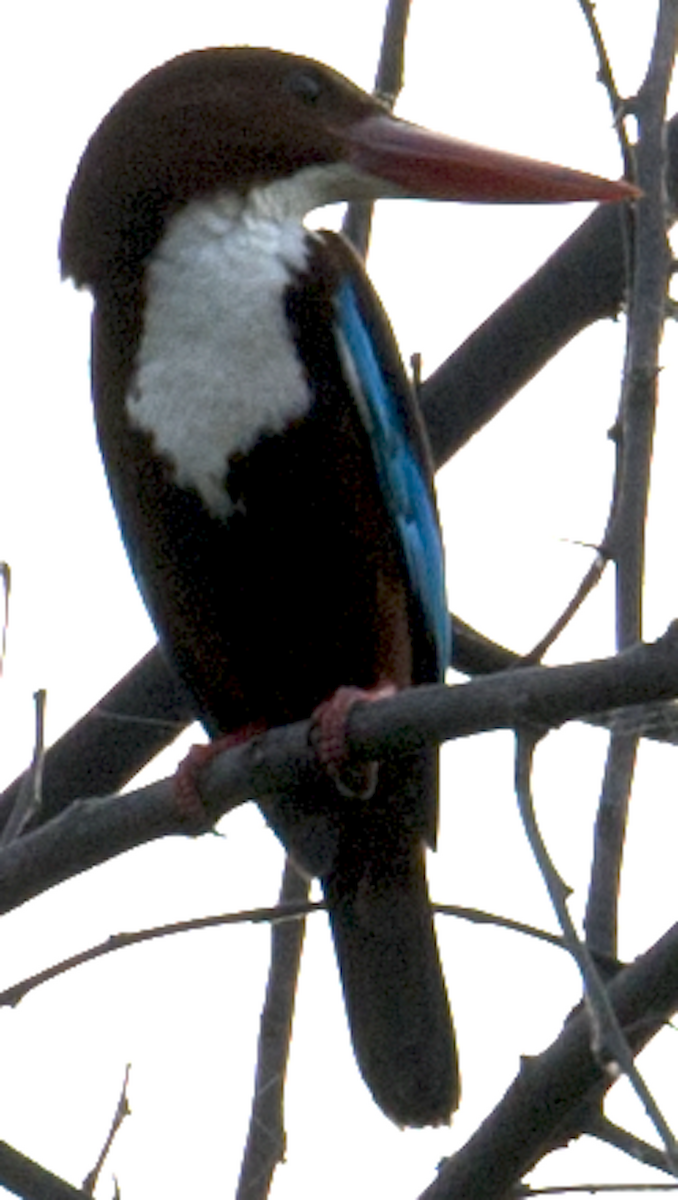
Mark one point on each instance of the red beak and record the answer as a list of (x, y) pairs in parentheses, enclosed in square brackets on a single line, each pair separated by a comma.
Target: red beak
[(436, 167)]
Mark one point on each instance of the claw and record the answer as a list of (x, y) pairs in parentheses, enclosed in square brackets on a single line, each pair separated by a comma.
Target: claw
[(187, 777), (356, 780)]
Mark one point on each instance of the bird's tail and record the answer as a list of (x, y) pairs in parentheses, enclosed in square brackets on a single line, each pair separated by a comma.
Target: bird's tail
[(394, 991)]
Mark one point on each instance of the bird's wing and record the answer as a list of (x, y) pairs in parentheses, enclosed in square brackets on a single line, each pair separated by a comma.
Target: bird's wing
[(402, 474)]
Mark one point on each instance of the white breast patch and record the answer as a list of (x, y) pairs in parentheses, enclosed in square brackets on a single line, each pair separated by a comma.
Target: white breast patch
[(216, 366)]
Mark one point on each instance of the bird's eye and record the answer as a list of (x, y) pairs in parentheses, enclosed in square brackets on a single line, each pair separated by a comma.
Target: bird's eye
[(306, 85)]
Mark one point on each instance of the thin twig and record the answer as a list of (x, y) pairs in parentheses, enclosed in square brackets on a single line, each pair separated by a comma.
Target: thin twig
[(478, 917), (544, 1103), (592, 1188), (620, 110), (128, 726), (608, 1043), (634, 1147), (29, 798), (646, 320), (387, 85), (391, 69), (589, 582), (281, 913), (618, 107), (602, 907), (5, 584), (284, 911), (606, 77), (265, 1147), (625, 540), (122, 1110)]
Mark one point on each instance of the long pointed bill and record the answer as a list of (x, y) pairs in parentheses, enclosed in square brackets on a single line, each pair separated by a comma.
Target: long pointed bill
[(436, 167)]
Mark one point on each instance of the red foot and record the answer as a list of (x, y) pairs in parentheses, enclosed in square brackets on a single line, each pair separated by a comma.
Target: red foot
[(330, 719), (186, 778)]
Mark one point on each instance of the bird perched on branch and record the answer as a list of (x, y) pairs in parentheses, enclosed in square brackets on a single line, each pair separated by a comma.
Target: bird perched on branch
[(271, 474)]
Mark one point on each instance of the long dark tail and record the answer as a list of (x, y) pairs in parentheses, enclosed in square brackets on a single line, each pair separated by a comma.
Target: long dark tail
[(394, 991)]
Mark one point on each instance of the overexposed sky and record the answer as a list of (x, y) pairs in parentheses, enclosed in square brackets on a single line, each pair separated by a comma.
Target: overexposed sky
[(515, 505)]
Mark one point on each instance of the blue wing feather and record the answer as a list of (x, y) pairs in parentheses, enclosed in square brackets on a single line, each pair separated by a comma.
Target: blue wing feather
[(401, 476)]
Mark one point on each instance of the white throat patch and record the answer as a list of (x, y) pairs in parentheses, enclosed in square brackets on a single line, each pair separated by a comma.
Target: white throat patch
[(214, 370)]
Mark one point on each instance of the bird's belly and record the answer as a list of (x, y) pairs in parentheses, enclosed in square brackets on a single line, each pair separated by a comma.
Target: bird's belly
[(300, 590)]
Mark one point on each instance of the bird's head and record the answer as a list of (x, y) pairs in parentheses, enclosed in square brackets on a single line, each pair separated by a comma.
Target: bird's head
[(241, 120)]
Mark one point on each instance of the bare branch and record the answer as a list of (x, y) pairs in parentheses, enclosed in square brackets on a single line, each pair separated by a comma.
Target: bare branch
[(647, 307), (29, 796), (122, 1110), (606, 77), (391, 69), (266, 1138), (284, 911), (589, 582), (478, 917), (603, 1129), (625, 540), (601, 921), (608, 1043), (387, 85), (544, 1103), (92, 831), (5, 585), (25, 1178), (132, 723), (281, 913), (592, 1189)]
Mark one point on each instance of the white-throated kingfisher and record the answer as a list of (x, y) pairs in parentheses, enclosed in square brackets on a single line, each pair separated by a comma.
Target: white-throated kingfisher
[(270, 471)]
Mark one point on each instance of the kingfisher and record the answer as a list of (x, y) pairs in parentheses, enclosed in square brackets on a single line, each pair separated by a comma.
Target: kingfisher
[(271, 475)]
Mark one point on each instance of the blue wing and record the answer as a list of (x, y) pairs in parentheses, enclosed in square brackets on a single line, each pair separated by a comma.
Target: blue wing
[(401, 475)]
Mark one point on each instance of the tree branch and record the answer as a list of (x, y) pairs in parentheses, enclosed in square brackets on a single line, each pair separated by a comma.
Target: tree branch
[(132, 723), (625, 540), (122, 1110), (541, 1111), (634, 1147), (283, 912), (388, 82), (266, 1138), (25, 1178), (608, 1043), (92, 831), (606, 77)]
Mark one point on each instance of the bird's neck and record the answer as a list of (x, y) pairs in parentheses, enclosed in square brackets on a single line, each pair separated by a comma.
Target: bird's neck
[(217, 367)]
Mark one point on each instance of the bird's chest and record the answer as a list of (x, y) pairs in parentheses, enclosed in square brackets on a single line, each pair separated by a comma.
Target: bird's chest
[(217, 368)]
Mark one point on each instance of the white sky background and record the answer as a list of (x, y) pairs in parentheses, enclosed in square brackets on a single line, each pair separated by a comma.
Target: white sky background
[(514, 505)]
